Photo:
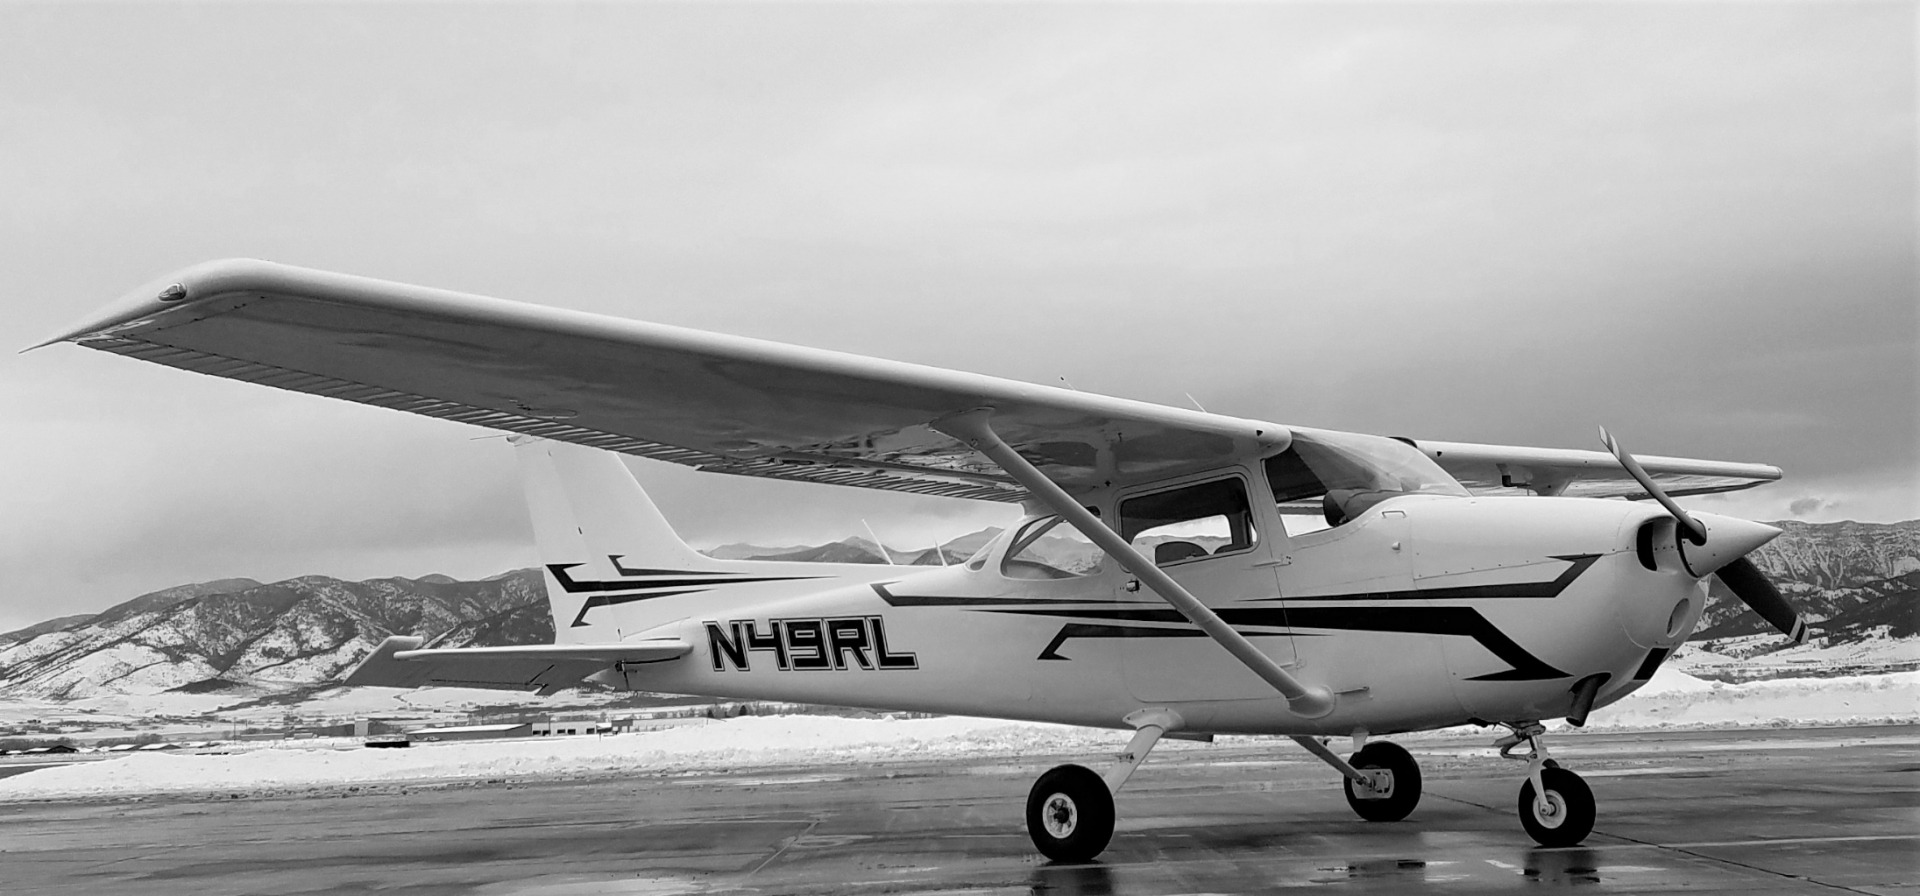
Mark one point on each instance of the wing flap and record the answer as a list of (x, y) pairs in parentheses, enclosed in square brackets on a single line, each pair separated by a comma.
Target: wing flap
[(400, 662), (720, 403)]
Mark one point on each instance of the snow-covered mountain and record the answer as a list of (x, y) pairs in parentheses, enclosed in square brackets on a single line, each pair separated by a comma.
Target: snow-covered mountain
[(1859, 584), (1848, 578), (238, 633)]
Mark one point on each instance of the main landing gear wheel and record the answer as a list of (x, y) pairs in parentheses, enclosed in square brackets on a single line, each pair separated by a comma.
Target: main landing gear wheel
[(1070, 814), (1398, 790), (1565, 816)]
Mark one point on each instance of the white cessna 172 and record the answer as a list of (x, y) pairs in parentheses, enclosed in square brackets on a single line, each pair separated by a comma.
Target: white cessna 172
[(1162, 579)]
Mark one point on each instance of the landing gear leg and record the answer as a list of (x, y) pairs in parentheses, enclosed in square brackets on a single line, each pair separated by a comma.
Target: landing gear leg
[(1556, 806)]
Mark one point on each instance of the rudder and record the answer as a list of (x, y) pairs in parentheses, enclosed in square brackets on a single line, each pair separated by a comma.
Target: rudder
[(602, 542)]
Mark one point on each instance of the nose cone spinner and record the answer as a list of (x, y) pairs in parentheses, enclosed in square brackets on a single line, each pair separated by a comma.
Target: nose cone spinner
[(1728, 539)]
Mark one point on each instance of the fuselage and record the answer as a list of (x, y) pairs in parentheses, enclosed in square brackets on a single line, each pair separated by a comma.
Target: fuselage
[(1420, 612)]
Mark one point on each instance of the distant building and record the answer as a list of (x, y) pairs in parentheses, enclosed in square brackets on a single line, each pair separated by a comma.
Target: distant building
[(469, 732), (364, 727), (564, 727)]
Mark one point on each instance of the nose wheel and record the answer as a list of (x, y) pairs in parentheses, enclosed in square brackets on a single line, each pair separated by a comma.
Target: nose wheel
[(1561, 812), (1556, 806)]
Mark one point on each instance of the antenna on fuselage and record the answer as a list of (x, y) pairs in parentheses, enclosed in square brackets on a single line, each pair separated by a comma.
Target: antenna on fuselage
[(876, 543), (1196, 402), (1069, 384)]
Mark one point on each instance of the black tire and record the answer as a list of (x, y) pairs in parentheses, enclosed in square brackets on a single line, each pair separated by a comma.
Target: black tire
[(1070, 814), (1405, 792), (1572, 801)]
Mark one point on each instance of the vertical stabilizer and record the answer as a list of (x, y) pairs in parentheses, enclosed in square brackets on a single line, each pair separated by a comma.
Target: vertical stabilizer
[(604, 546)]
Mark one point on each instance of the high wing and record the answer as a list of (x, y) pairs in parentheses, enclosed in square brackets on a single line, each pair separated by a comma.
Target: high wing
[(1590, 474), (720, 403), (399, 662)]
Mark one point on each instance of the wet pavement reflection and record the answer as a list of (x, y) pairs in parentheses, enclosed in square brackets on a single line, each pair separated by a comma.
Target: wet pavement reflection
[(1092, 879), (1753, 812)]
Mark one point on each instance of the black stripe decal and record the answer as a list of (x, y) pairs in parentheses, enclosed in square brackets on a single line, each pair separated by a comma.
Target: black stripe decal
[(1460, 621), (567, 583), (908, 600), (1510, 591), (1464, 621), (1113, 617), (653, 583), (611, 600), (1083, 630)]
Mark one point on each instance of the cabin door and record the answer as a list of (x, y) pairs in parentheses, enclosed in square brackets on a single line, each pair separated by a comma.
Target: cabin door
[(1204, 534)]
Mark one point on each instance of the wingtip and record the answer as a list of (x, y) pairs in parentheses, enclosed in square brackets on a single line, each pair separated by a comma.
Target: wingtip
[(150, 298), (66, 335)]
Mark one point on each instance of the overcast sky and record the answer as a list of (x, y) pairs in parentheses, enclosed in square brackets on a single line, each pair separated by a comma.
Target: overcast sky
[(1485, 222)]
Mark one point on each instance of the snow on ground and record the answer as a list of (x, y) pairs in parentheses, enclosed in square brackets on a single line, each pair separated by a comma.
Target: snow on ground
[(1875, 649), (205, 716), (1671, 700), (1763, 656), (742, 743), (1676, 699)]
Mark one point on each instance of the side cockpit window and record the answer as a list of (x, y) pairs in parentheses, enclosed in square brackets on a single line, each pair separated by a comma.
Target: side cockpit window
[(1193, 521), (1338, 476), (1049, 548)]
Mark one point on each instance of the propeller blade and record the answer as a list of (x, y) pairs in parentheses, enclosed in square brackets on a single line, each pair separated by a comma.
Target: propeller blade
[(1748, 583), (1696, 533), (1727, 557)]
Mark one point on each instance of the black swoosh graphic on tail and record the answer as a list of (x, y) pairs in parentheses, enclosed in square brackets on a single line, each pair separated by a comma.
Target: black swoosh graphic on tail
[(647, 584)]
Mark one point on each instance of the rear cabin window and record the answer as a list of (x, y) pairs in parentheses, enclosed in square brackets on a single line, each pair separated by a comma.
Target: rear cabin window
[(1193, 521), (1049, 548)]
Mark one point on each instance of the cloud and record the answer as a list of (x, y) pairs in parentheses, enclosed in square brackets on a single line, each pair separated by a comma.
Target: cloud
[(1491, 223), (1808, 506)]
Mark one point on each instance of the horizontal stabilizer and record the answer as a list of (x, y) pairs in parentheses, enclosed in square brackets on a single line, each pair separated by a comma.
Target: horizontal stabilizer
[(399, 662)]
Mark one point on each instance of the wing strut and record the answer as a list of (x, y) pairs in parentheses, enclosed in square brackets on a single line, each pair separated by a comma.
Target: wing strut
[(974, 428)]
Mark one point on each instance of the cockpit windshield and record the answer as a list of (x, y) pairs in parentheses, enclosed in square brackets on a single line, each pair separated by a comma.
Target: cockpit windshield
[(1348, 472)]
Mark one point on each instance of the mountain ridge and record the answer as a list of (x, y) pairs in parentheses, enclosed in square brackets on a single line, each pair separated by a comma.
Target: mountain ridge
[(1855, 581)]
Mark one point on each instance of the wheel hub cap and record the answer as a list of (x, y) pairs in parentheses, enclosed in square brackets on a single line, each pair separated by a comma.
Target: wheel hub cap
[(1060, 816), (1549, 810)]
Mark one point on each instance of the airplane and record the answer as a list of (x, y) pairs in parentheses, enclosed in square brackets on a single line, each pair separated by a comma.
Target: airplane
[(1175, 573)]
